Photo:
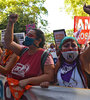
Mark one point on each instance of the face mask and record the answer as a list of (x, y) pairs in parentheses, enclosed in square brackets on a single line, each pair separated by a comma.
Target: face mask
[(28, 41), (52, 46), (70, 55)]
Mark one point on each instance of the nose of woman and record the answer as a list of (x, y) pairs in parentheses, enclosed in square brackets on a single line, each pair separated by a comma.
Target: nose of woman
[(70, 47)]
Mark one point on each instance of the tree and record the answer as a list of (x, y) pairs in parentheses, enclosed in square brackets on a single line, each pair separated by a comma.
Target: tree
[(29, 12), (69, 32), (76, 7), (49, 37)]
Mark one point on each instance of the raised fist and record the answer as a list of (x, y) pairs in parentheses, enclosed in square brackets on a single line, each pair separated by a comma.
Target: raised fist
[(13, 18), (86, 8)]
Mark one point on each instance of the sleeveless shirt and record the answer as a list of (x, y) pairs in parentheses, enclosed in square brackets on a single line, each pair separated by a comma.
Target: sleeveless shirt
[(27, 66)]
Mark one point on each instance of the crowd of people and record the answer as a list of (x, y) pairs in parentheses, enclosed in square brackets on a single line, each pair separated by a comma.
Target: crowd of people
[(23, 62)]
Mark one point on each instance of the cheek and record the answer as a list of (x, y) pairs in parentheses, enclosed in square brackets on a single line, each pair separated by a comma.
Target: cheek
[(64, 48), (76, 48)]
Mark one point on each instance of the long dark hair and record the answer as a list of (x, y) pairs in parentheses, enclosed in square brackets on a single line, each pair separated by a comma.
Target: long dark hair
[(39, 35)]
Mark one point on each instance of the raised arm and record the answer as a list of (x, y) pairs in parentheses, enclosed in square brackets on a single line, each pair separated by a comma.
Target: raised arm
[(86, 8), (10, 44), (85, 59)]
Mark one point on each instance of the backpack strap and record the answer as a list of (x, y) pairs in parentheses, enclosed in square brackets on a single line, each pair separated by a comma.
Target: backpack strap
[(23, 51), (43, 59)]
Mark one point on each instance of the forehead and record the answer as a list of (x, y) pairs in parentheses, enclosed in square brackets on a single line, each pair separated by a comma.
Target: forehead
[(69, 41), (32, 32)]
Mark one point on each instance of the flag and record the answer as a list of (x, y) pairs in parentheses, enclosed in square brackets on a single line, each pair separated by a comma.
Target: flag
[(76, 34)]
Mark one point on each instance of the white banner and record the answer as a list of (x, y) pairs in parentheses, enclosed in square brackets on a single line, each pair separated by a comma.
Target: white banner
[(51, 93)]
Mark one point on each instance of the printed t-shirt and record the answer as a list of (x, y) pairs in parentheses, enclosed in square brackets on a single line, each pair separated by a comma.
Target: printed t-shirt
[(27, 66)]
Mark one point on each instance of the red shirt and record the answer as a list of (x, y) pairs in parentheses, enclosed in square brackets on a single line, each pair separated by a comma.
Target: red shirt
[(28, 66)]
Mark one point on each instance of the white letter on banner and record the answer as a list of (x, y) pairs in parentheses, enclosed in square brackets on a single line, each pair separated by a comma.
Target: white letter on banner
[(80, 23), (86, 24), (86, 35), (82, 35)]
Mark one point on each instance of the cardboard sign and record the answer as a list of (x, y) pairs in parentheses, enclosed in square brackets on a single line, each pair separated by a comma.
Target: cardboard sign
[(58, 36), (20, 36), (83, 22)]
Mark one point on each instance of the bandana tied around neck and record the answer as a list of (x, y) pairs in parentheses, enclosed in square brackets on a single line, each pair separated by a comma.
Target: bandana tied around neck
[(16, 91), (66, 71)]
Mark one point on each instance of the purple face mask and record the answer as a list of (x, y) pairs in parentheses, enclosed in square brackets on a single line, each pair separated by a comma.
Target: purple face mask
[(52, 46)]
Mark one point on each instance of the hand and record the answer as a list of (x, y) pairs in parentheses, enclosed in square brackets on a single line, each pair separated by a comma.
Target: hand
[(23, 83), (44, 84), (13, 18), (86, 8)]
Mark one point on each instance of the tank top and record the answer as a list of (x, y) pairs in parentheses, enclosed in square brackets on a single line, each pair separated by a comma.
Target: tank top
[(27, 66)]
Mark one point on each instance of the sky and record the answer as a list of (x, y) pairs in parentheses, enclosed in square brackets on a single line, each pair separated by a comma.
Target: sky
[(58, 19)]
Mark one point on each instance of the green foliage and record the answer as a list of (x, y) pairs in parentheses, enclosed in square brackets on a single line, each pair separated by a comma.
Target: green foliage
[(49, 37), (29, 12), (0, 35), (76, 7), (69, 32)]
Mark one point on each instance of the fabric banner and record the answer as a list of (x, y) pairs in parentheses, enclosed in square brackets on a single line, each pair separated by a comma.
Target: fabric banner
[(51, 93), (84, 22)]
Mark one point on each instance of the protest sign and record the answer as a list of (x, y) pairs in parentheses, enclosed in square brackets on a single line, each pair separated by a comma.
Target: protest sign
[(58, 36), (84, 22), (20, 36)]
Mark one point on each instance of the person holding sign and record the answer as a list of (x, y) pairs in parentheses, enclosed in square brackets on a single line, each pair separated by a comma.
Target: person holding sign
[(71, 65)]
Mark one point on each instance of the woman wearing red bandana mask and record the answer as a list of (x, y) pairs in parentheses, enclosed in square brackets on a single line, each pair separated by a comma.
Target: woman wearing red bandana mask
[(71, 65)]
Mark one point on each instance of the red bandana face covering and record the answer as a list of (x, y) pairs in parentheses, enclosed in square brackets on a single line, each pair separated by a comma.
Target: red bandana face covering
[(15, 89)]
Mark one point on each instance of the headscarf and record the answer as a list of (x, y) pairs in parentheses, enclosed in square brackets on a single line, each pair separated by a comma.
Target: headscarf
[(66, 38)]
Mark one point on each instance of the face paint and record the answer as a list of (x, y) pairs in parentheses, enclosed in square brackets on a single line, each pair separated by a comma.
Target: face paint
[(70, 55), (28, 41)]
